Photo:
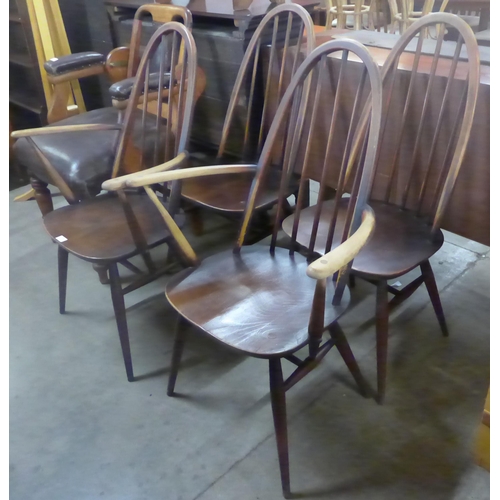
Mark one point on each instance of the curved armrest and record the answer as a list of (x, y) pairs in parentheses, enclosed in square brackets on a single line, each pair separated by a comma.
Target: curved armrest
[(73, 66), (341, 256), (88, 127), (122, 181), (187, 173)]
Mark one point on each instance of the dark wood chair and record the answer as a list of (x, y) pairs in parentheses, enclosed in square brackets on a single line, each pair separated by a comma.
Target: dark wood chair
[(80, 164), (112, 228), (261, 300), (248, 116), (410, 202)]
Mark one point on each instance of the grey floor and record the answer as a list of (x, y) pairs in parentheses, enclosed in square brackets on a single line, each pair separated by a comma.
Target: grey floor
[(79, 430)]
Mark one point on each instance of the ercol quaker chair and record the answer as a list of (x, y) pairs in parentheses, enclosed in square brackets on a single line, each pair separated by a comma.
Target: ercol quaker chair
[(261, 300), (109, 229), (415, 171), (78, 164), (248, 116)]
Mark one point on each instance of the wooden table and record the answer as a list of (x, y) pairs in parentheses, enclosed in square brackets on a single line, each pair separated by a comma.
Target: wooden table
[(468, 211)]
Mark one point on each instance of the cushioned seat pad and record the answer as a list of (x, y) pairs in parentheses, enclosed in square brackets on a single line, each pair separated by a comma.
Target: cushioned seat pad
[(84, 159)]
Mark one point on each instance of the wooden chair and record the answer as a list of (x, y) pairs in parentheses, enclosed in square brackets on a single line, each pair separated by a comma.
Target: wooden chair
[(403, 12), (248, 116), (110, 229), (78, 167), (260, 300), (349, 14), (409, 204)]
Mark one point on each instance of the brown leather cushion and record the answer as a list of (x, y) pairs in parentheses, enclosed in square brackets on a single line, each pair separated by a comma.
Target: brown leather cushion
[(84, 159)]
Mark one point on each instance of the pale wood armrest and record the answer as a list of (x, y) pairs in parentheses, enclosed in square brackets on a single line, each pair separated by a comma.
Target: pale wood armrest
[(96, 127), (122, 181), (187, 173), (341, 256)]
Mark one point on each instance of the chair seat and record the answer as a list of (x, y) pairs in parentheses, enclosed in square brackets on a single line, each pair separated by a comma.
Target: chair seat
[(97, 229), (83, 159), (252, 301), (400, 241), (229, 193)]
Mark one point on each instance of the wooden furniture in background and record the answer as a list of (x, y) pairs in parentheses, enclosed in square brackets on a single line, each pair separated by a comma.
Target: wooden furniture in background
[(280, 31), (108, 230), (262, 301), (78, 167), (482, 447), (409, 203)]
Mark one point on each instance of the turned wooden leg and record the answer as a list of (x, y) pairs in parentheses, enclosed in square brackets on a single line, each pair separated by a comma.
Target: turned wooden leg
[(176, 354), (62, 261), (382, 330), (121, 318), (42, 195), (278, 402), (102, 272), (432, 289)]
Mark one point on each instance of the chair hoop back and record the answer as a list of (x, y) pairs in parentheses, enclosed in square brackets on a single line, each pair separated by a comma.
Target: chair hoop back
[(437, 143), (283, 29), (164, 98), (304, 88)]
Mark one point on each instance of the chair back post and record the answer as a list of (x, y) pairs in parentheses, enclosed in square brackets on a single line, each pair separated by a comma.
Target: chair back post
[(442, 165), (283, 28), (160, 13)]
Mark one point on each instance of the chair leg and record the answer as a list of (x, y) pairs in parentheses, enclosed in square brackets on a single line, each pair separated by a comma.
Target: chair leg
[(62, 267), (121, 318), (179, 341), (42, 195), (432, 289), (278, 402), (382, 330), (195, 216), (345, 351), (102, 272), (352, 281)]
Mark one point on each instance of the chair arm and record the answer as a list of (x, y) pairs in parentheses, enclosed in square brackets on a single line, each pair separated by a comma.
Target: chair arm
[(74, 66), (121, 182), (88, 127), (339, 257), (186, 173)]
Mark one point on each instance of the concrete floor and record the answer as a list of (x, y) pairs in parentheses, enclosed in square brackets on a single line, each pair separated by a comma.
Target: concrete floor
[(79, 430)]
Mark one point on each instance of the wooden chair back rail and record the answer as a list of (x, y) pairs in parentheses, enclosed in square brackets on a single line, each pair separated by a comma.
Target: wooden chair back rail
[(183, 78), (160, 14), (447, 168), (297, 22), (300, 91), (183, 104)]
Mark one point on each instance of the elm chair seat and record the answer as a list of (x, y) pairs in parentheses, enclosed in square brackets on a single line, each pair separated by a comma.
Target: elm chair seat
[(233, 298), (207, 191), (97, 229), (410, 237), (85, 160)]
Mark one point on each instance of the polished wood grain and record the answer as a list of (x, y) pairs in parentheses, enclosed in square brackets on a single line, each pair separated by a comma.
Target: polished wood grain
[(281, 31), (409, 203), (109, 229), (261, 300)]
